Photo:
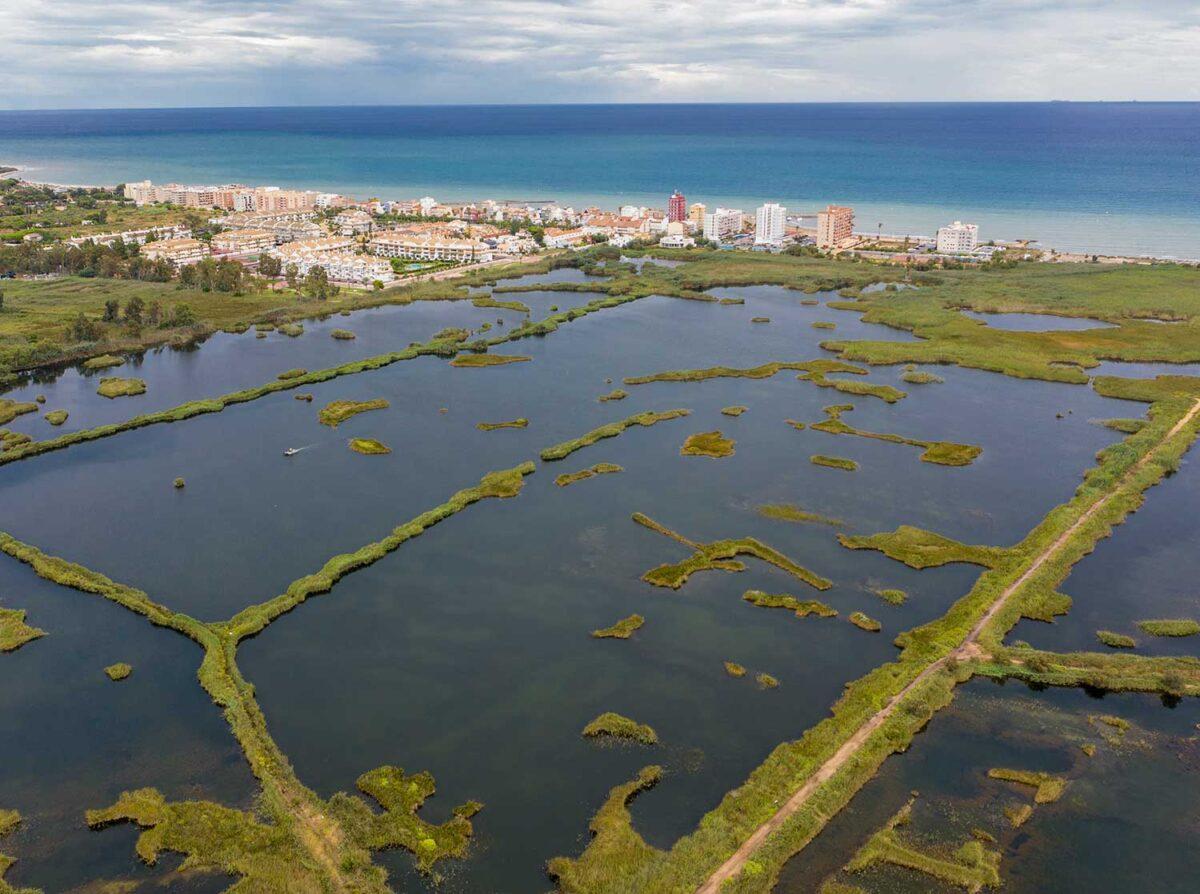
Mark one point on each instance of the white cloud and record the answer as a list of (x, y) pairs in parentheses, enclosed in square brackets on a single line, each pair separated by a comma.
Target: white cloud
[(72, 52)]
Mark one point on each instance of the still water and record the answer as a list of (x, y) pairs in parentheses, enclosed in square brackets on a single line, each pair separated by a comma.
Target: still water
[(466, 652)]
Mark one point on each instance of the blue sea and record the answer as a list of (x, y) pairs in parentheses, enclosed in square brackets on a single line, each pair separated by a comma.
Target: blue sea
[(1101, 177)]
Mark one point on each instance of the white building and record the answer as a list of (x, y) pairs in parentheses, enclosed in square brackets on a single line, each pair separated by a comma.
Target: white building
[(178, 251), (677, 240), (427, 204), (769, 224), (243, 241), (138, 237), (958, 238), (353, 222), (429, 247), (722, 222)]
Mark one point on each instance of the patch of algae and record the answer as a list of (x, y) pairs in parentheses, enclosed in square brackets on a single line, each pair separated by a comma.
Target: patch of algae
[(336, 412), (623, 629), (14, 632), (945, 453), (569, 478), (114, 386), (9, 820), (566, 448), (918, 548), (720, 555), (801, 608), (707, 443)]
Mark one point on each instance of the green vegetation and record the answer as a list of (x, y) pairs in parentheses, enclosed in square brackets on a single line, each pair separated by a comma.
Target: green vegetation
[(104, 361), (565, 449), (734, 669), (865, 622), (892, 596), (117, 387), (760, 319), (793, 513), (14, 633), (615, 394), (802, 608), (918, 548), (734, 411), (291, 330), (945, 453), (56, 417), (707, 443), (488, 301), (119, 671), (766, 681), (369, 446), (343, 335), (291, 374), (720, 555), (834, 462), (479, 360), (338, 411), (9, 820), (295, 840), (178, 483), (1125, 426), (972, 866), (766, 371), (520, 422), (920, 377), (615, 849), (1116, 640), (1170, 627), (11, 409), (1049, 788), (623, 629), (823, 324), (1018, 814), (616, 726), (598, 469)]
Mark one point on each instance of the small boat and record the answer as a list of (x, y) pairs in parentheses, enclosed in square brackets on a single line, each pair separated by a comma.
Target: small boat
[(291, 451)]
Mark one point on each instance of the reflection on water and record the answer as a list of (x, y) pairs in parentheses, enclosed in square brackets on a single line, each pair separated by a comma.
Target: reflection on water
[(1021, 322), (1136, 795)]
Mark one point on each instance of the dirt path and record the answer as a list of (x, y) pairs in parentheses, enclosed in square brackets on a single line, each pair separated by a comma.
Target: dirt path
[(969, 649)]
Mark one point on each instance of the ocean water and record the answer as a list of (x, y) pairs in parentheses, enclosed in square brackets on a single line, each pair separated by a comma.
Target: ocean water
[(1106, 177)]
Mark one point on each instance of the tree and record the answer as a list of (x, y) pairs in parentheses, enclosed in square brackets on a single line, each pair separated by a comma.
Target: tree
[(182, 315), (1, 299), (133, 310), (292, 273), (154, 314), (112, 308), (269, 265), (83, 329), (377, 285)]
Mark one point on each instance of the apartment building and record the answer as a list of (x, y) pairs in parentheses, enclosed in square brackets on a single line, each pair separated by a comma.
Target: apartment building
[(696, 215), (556, 237), (722, 223), (231, 197), (353, 222), (429, 247), (134, 237), (180, 252), (769, 224), (243, 242), (835, 226), (958, 238)]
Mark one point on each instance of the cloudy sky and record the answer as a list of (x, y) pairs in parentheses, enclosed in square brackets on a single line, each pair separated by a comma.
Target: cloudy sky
[(79, 53)]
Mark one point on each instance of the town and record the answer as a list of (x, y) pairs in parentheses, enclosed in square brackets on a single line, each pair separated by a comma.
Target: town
[(289, 234)]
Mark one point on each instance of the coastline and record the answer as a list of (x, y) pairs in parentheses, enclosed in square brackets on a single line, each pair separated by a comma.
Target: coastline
[(864, 212)]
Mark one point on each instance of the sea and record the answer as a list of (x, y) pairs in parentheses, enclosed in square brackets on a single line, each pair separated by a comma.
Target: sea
[(1088, 177)]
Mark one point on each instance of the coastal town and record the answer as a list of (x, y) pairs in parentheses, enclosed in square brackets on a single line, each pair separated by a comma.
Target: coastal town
[(288, 234)]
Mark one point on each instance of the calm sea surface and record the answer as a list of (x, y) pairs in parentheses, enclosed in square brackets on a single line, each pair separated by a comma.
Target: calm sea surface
[(1119, 177)]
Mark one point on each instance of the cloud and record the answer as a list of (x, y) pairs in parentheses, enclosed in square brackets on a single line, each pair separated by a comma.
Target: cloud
[(72, 52)]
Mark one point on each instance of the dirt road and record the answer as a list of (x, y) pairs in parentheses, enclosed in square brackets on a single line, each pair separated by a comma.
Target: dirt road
[(968, 649)]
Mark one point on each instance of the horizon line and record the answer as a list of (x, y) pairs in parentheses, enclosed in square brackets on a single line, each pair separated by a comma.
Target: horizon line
[(494, 105)]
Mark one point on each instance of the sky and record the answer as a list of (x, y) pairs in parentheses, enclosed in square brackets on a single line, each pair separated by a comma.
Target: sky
[(119, 54)]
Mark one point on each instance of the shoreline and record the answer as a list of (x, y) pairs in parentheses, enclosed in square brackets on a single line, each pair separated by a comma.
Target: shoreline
[(1067, 254)]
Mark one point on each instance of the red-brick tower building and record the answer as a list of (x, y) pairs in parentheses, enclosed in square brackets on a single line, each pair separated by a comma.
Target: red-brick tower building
[(677, 207)]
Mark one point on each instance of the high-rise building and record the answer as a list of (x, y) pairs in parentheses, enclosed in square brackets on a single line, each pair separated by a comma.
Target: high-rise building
[(958, 238), (769, 224), (722, 222), (696, 214), (834, 226), (677, 207)]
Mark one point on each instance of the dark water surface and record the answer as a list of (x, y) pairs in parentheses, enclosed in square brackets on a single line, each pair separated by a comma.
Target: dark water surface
[(1126, 822), (467, 652)]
